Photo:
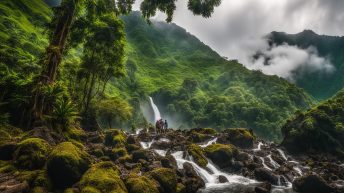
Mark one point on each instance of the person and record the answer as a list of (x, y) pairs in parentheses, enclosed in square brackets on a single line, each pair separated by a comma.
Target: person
[(166, 124)]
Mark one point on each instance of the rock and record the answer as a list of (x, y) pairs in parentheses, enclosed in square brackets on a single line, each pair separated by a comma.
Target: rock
[(222, 179), (49, 135), (131, 140), (169, 162), (166, 177), (161, 145), (138, 184), (66, 164), (181, 188), (132, 147), (139, 154), (263, 174), (102, 177), (240, 137), (117, 153), (191, 179), (31, 153), (197, 154), (261, 190), (115, 137), (311, 183), (221, 154), (199, 135), (7, 150)]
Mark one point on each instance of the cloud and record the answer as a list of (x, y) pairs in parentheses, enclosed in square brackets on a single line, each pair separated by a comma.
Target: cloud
[(289, 62), (236, 27)]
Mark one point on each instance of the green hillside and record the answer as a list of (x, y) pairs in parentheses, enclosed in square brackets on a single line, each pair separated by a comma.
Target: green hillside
[(195, 87), (192, 85), (320, 129), (319, 85)]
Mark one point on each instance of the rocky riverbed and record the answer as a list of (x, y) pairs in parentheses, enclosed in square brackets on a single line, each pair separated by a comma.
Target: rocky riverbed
[(196, 160)]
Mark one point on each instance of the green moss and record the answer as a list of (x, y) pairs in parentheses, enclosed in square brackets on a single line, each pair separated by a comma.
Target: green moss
[(66, 164), (197, 154), (6, 167), (240, 137), (221, 154), (102, 177), (132, 147), (31, 153), (141, 184), (117, 153), (115, 137), (75, 134), (198, 137), (181, 188), (166, 177)]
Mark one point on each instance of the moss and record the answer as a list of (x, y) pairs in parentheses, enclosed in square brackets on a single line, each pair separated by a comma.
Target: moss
[(70, 190), (139, 154), (240, 137), (38, 190), (115, 137), (31, 153), (132, 147), (221, 154), (4, 136), (102, 177), (6, 167), (117, 153), (141, 184), (197, 154), (198, 137), (75, 134), (42, 180), (181, 188), (66, 164), (166, 177)]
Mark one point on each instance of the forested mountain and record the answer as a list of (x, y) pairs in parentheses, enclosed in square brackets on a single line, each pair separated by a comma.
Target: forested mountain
[(192, 85), (319, 84)]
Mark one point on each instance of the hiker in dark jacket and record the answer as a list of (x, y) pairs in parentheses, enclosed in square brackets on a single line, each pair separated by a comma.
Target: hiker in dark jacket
[(166, 125)]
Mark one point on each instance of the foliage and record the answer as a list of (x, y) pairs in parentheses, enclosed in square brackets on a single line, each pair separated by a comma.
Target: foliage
[(320, 129)]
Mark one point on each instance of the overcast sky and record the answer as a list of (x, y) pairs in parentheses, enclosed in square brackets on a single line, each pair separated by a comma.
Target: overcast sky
[(236, 27)]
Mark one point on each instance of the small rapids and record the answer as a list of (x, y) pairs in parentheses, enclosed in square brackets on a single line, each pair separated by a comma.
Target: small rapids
[(236, 183)]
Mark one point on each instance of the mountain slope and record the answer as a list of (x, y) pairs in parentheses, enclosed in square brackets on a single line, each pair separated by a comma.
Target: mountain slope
[(195, 87), (319, 85), (320, 129)]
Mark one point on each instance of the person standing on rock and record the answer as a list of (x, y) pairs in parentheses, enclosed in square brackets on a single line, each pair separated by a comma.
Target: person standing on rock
[(166, 125)]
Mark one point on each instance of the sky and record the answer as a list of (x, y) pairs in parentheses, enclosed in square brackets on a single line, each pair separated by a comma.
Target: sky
[(236, 28)]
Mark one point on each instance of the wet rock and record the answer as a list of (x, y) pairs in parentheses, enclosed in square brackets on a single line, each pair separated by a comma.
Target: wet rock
[(161, 145), (166, 178), (311, 183), (222, 179), (197, 154), (169, 162), (139, 154), (221, 154), (263, 174), (131, 140), (191, 180)]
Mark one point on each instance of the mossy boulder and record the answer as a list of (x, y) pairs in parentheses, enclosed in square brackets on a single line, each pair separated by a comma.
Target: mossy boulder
[(240, 137), (31, 153), (102, 177), (117, 153), (197, 154), (115, 137), (312, 183), (66, 164), (199, 135), (166, 177), (221, 154), (140, 154), (74, 133), (141, 184)]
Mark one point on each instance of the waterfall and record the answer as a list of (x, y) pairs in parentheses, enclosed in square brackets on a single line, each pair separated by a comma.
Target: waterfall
[(209, 143), (156, 111), (282, 154)]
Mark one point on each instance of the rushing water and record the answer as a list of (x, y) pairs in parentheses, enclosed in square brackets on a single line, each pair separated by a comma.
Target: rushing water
[(156, 111)]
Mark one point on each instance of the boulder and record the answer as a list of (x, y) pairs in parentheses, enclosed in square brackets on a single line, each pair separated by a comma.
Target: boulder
[(115, 137), (131, 140), (263, 174), (200, 135), (166, 177), (191, 179), (141, 184), (311, 183), (221, 154), (31, 153), (222, 179), (102, 177), (197, 154), (161, 145), (240, 137), (66, 164), (140, 154)]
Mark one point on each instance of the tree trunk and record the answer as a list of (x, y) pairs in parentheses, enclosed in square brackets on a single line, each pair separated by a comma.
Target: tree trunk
[(53, 58)]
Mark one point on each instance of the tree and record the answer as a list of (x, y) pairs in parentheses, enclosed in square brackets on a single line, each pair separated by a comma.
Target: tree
[(64, 18), (114, 109)]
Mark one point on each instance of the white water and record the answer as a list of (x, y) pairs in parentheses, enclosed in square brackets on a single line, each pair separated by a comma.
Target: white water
[(160, 152), (146, 145), (259, 146), (138, 131), (264, 165), (209, 143), (156, 111), (282, 154), (275, 164)]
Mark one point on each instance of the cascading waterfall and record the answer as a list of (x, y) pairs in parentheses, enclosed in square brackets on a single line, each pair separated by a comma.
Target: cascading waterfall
[(156, 111)]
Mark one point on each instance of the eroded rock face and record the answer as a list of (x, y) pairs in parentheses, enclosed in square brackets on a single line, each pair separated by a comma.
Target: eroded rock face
[(311, 183), (190, 179)]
